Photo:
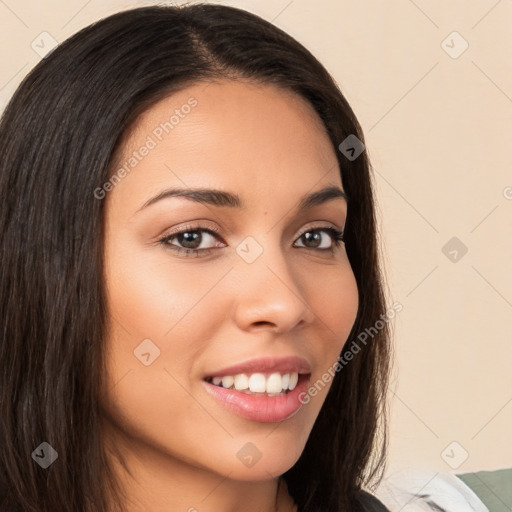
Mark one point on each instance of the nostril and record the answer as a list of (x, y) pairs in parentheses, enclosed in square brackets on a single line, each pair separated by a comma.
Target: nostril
[(262, 322)]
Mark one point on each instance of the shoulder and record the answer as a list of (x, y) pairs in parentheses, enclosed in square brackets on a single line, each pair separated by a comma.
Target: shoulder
[(371, 503)]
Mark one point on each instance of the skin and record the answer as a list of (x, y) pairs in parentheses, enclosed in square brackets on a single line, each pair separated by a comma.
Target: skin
[(270, 147)]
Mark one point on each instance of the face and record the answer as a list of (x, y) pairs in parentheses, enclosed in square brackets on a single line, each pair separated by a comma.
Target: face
[(210, 293)]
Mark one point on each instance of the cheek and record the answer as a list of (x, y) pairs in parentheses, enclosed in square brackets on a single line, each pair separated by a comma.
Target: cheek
[(335, 301), (153, 294), (158, 309), (155, 334)]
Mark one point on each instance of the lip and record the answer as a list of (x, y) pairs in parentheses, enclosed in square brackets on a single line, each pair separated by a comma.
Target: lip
[(260, 408), (265, 365)]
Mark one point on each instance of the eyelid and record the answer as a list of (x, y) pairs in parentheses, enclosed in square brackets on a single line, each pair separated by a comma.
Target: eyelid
[(190, 227), (217, 231), (336, 235), (323, 226)]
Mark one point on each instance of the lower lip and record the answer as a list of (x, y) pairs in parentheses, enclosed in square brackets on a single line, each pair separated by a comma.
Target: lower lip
[(260, 408)]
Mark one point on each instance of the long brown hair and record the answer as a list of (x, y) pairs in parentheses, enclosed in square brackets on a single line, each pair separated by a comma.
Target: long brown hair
[(58, 137)]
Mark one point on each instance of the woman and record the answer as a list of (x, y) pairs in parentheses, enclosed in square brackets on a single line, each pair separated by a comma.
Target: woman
[(189, 270)]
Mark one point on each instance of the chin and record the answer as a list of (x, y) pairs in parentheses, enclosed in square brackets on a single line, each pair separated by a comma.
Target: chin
[(264, 457)]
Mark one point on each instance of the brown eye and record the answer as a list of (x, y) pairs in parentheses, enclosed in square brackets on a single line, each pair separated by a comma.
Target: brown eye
[(191, 238), (188, 241), (313, 238)]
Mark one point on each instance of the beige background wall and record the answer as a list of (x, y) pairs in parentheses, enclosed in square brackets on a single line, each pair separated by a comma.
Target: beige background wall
[(438, 124)]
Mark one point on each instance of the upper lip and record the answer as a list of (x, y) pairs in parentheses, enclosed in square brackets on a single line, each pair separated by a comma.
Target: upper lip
[(264, 365)]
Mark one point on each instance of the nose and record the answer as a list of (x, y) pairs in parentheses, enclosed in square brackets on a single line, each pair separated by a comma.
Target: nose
[(270, 295)]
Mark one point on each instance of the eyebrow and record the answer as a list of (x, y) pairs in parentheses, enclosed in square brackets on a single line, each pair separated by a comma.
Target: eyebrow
[(223, 198)]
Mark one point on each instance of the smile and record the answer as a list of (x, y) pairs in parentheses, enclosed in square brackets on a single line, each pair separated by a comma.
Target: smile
[(261, 406), (274, 384)]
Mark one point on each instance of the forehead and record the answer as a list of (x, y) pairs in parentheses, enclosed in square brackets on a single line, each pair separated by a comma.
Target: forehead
[(249, 136)]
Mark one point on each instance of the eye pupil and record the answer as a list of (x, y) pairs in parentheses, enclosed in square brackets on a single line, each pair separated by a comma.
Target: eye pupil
[(312, 235), (190, 237)]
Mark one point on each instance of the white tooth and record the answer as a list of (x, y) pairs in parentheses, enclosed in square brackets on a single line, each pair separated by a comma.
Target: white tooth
[(285, 381), (217, 380), (294, 377), (257, 383), (241, 382), (227, 381), (274, 384)]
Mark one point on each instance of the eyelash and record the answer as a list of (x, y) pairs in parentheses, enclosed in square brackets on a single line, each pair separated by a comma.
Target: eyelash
[(336, 235)]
